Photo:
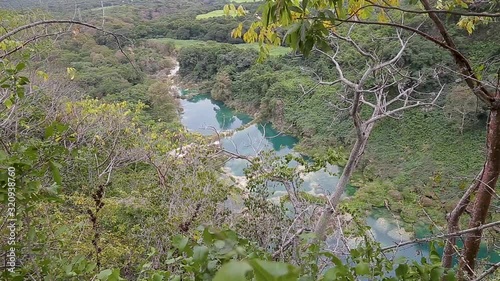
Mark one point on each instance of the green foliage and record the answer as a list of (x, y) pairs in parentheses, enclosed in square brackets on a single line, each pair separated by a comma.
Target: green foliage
[(204, 62), (283, 90), (125, 139), (365, 261), (224, 255)]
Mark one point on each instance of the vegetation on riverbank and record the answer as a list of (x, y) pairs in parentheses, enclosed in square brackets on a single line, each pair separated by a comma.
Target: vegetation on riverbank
[(425, 156)]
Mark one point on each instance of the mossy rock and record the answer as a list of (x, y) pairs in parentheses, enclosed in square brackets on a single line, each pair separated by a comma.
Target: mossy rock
[(396, 195), (427, 202)]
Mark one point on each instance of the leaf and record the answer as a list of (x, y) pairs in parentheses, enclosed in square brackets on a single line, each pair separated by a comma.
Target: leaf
[(71, 72), (335, 272), (200, 253), (436, 273), (234, 271), (23, 80), (20, 66), (336, 261), (240, 11), (157, 277), (115, 276), (296, 9), (103, 275), (304, 4), (330, 275), (8, 103), (31, 233), (207, 236), (362, 268), (49, 131), (212, 265), (54, 168), (43, 75), (450, 276), (180, 242), (266, 270), (219, 244), (400, 260), (402, 270)]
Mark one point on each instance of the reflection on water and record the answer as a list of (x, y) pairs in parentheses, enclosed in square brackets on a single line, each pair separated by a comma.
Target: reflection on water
[(204, 115)]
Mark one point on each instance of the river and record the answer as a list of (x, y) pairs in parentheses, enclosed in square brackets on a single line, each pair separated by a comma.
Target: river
[(204, 115)]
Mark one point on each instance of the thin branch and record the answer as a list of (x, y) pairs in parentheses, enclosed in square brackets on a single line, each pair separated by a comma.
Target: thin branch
[(454, 218), (405, 107), (447, 12), (477, 87), (27, 42), (354, 44), (51, 22), (339, 69), (455, 234), (488, 272), (289, 242)]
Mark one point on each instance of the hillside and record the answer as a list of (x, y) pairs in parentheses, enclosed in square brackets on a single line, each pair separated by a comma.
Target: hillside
[(165, 140)]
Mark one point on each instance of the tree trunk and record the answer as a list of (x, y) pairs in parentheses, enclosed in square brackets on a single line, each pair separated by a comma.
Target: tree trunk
[(334, 199), (486, 189), (453, 221)]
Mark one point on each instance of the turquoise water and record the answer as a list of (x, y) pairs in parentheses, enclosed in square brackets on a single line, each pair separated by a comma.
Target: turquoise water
[(202, 114)]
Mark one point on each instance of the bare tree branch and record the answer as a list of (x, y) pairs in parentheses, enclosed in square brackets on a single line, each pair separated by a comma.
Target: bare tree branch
[(455, 234), (487, 272), (54, 22)]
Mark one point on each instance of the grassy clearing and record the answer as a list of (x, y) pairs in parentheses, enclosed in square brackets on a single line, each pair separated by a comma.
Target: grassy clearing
[(105, 8), (180, 43), (274, 51), (212, 14)]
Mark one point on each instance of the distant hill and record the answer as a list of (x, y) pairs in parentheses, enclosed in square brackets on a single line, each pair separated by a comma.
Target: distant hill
[(71, 5)]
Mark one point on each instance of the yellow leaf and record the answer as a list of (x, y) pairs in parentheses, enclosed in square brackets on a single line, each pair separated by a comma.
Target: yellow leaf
[(240, 11), (382, 17), (71, 72), (43, 75)]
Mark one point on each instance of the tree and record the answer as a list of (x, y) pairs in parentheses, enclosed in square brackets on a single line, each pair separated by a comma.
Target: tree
[(460, 107), (311, 23), (382, 90), (221, 90)]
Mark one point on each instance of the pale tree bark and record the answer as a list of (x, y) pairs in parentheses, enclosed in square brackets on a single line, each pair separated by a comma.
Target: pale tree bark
[(354, 157), (387, 75)]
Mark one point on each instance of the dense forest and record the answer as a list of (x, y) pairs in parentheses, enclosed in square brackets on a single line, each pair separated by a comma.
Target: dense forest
[(102, 178)]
